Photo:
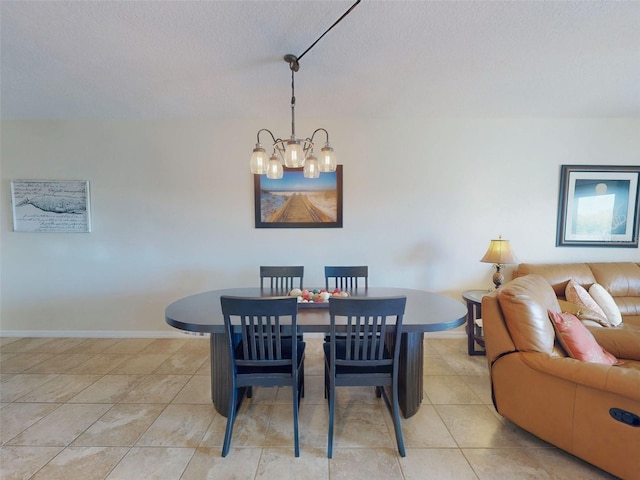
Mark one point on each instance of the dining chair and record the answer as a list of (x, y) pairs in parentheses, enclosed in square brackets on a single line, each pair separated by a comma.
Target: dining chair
[(366, 353), (260, 333), (282, 277), (345, 277)]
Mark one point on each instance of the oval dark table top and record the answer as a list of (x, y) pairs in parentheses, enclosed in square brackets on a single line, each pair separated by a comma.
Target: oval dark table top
[(425, 311)]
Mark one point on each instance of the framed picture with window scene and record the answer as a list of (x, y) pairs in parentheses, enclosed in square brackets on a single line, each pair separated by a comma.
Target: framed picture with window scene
[(598, 206)]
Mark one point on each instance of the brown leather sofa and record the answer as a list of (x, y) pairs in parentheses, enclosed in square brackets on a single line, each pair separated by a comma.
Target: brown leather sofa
[(620, 279), (567, 402)]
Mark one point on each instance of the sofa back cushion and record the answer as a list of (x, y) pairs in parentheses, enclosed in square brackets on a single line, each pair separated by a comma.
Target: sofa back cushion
[(620, 279), (623, 342), (559, 274), (525, 303)]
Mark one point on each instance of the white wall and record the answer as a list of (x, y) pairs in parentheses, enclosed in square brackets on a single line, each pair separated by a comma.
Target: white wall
[(172, 210)]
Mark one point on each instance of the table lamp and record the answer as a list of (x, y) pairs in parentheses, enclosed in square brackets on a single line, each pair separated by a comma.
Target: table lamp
[(499, 253)]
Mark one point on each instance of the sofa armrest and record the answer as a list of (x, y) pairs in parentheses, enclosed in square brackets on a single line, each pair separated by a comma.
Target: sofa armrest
[(610, 378)]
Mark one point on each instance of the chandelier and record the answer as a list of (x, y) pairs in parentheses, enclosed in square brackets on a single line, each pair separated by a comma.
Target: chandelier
[(295, 152)]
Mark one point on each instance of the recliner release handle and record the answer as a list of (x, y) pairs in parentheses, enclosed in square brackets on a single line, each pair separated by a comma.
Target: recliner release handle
[(625, 417)]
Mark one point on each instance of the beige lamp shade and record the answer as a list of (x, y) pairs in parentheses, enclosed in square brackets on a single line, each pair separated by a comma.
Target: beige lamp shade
[(499, 252)]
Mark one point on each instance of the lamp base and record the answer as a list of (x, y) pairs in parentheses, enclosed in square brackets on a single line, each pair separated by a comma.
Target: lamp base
[(498, 278)]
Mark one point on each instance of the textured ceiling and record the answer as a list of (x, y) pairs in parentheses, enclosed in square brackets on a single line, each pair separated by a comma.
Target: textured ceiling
[(210, 59)]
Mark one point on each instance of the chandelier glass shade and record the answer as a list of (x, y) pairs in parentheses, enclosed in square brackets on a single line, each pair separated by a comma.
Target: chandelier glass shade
[(293, 154), (259, 160), (274, 168), (327, 161)]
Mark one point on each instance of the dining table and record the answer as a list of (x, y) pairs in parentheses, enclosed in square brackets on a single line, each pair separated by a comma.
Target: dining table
[(425, 312)]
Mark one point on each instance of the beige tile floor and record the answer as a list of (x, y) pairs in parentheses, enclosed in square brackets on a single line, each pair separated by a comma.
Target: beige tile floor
[(81, 408)]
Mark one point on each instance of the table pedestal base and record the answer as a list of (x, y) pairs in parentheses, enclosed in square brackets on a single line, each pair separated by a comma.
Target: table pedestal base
[(410, 371)]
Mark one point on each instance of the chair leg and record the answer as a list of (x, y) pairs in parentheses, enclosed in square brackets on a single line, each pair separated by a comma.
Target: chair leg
[(296, 397), (332, 407), (231, 418), (398, 427), (326, 381), (396, 420), (394, 410)]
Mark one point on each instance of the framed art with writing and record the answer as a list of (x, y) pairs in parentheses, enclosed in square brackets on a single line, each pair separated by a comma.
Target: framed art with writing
[(46, 206)]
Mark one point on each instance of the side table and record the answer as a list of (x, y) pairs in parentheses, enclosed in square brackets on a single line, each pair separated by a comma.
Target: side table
[(474, 320)]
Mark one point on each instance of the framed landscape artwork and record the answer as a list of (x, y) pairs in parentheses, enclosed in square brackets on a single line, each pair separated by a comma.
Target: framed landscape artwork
[(599, 206), (48, 206), (297, 202)]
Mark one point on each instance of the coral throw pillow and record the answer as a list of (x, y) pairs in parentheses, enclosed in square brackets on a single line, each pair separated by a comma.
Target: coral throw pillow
[(577, 341), (576, 293), (606, 302)]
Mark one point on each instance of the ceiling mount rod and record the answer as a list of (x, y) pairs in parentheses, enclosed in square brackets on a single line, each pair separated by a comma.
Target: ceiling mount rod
[(327, 31)]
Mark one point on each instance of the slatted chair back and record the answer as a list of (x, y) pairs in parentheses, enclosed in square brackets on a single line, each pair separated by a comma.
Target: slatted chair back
[(265, 351), (346, 277), (370, 327), (282, 278), (364, 350)]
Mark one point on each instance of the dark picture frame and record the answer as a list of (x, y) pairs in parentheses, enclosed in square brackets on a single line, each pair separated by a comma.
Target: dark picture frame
[(317, 200), (599, 206)]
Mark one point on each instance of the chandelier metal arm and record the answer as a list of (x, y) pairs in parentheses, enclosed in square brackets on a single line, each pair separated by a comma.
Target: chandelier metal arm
[(279, 144), (265, 130), (307, 146), (318, 130), (308, 142)]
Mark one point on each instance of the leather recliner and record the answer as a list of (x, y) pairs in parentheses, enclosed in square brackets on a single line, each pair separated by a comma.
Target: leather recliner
[(567, 402)]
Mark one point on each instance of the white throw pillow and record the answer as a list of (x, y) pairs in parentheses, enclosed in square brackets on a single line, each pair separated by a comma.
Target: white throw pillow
[(576, 293), (606, 302)]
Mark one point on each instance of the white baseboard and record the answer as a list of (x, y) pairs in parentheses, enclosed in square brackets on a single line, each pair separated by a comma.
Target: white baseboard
[(96, 334), (167, 334)]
